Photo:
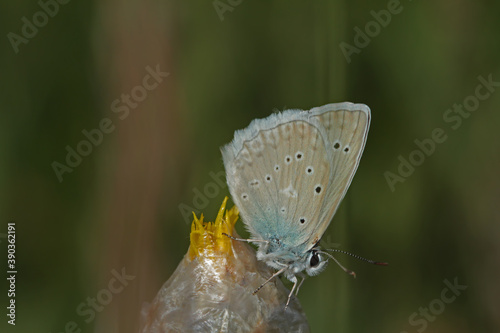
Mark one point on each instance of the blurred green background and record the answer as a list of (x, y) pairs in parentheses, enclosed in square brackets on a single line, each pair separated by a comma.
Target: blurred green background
[(123, 206)]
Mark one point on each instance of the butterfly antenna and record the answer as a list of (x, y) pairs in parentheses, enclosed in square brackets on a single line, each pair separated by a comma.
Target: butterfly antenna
[(358, 257), (348, 271)]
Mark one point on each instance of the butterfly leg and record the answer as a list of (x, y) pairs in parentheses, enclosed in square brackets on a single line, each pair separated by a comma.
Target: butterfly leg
[(348, 271), (300, 284), (272, 277), (245, 240), (294, 280)]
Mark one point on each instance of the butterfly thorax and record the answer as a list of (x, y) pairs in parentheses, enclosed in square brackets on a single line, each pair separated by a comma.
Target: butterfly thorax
[(278, 255)]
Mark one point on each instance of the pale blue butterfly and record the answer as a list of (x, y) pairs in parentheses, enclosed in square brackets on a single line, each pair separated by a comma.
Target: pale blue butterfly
[(287, 174)]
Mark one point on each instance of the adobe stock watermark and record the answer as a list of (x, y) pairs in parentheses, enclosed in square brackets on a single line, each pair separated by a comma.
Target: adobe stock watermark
[(223, 6), (201, 199), (11, 272), (420, 320), (453, 118), (120, 106), (328, 243), (372, 29), (89, 308), (30, 26)]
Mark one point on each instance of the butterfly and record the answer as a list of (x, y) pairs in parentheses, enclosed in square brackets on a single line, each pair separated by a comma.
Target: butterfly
[(287, 174)]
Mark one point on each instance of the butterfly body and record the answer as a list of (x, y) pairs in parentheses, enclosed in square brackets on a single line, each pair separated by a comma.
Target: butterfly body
[(288, 173)]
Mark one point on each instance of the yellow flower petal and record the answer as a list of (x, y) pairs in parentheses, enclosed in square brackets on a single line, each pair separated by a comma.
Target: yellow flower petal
[(207, 239)]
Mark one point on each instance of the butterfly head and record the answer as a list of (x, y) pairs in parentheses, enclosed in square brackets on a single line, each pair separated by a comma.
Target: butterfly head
[(315, 262), (312, 261)]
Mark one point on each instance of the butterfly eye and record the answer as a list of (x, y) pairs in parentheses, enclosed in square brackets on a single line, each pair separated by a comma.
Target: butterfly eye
[(314, 260)]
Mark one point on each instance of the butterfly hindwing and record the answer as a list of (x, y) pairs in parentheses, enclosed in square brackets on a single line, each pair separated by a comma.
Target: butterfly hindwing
[(278, 170)]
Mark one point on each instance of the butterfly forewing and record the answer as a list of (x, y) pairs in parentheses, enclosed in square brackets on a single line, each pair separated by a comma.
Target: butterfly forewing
[(346, 126)]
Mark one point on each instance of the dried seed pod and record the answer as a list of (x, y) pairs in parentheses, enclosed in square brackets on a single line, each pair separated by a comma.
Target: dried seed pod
[(211, 289)]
